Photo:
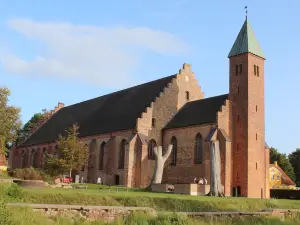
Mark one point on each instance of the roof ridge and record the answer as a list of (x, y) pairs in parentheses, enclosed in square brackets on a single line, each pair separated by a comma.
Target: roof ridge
[(202, 99), (115, 92)]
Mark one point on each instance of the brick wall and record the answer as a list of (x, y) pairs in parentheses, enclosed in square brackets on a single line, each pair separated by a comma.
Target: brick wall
[(163, 110), (248, 129), (186, 170)]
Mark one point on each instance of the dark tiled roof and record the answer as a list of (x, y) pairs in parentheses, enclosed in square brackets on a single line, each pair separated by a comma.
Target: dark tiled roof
[(113, 112), (198, 112)]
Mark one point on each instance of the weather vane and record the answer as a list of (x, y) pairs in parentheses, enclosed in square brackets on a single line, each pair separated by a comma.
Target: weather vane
[(246, 11)]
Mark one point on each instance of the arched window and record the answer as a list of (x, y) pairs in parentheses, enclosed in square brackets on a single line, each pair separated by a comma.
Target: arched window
[(44, 155), (151, 146), (122, 154), (35, 158), (32, 153), (22, 164), (174, 152), (101, 156), (199, 149), (187, 95)]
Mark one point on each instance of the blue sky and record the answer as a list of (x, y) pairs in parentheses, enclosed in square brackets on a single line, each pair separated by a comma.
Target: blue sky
[(69, 51)]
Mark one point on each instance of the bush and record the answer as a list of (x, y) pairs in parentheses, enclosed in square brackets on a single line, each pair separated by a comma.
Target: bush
[(285, 194), (3, 174), (14, 191)]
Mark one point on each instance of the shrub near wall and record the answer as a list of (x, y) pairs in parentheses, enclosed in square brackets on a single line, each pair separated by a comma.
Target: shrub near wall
[(285, 194), (30, 174)]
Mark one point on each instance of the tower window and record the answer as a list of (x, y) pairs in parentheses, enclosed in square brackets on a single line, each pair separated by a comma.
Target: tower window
[(238, 117), (256, 108), (257, 70), (256, 136), (236, 70), (254, 69), (187, 96), (241, 68), (153, 122), (256, 165)]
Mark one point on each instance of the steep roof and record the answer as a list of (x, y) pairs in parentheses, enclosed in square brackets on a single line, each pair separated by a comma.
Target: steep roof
[(113, 112), (285, 178), (198, 112), (246, 42)]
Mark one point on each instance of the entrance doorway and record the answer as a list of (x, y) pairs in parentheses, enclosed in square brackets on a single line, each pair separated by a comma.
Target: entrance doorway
[(117, 179)]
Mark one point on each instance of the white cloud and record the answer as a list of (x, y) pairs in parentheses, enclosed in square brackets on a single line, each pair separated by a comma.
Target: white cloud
[(88, 53)]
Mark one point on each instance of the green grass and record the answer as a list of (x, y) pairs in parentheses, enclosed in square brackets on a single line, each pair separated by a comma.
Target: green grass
[(26, 216), (158, 201)]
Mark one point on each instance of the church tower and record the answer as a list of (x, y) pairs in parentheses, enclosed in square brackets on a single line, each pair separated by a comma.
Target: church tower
[(247, 76)]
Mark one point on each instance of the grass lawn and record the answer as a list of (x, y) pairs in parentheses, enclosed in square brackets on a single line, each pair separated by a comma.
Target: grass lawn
[(161, 202), (158, 201)]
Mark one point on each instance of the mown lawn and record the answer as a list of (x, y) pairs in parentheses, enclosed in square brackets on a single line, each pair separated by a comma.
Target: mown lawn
[(158, 201)]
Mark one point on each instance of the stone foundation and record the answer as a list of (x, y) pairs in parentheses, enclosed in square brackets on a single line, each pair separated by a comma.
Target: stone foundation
[(162, 188), (106, 213), (191, 189)]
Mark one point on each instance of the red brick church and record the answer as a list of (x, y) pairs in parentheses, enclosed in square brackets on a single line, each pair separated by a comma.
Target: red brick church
[(122, 128)]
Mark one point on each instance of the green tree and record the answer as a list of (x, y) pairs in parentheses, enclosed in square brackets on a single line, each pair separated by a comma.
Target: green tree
[(294, 158), (73, 153), (9, 121), (283, 162), (30, 125)]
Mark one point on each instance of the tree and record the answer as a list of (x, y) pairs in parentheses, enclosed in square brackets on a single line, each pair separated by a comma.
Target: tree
[(30, 125), (73, 153), (9, 121), (216, 188), (159, 163), (283, 162), (294, 158)]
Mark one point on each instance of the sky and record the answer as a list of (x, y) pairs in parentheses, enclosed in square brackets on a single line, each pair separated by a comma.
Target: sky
[(69, 51)]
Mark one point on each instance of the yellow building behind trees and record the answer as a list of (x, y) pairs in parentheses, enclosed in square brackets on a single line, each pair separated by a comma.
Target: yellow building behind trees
[(278, 179)]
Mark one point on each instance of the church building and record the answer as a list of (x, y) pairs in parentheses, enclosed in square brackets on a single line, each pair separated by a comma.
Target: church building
[(122, 128)]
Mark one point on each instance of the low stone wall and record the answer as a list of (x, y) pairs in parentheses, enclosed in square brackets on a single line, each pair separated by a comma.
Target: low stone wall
[(162, 188), (106, 213), (31, 183), (191, 189)]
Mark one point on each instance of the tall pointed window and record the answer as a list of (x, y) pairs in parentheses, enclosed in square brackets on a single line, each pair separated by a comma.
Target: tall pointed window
[(122, 154), (199, 149), (101, 156), (187, 95), (236, 70), (174, 152), (151, 146), (255, 70), (241, 68)]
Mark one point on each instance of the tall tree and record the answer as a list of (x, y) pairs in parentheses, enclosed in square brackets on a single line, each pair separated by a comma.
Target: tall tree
[(9, 121), (216, 188), (294, 158), (160, 160), (73, 153), (283, 162), (30, 125)]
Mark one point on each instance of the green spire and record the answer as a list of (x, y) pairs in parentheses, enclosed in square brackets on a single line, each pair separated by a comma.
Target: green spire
[(246, 42)]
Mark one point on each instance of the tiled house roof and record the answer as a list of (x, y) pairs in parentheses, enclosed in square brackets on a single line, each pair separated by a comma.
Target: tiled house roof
[(113, 112), (198, 112), (285, 178)]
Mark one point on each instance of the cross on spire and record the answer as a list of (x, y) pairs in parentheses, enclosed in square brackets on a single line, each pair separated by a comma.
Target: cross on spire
[(246, 8)]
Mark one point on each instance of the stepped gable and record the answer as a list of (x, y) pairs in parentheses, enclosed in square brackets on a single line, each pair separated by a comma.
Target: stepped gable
[(203, 111), (113, 112)]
